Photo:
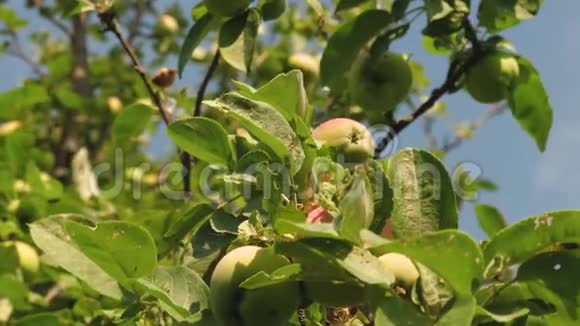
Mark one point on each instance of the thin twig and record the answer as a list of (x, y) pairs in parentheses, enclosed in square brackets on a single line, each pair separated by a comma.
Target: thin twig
[(186, 159), (456, 70), (49, 16), (111, 24), (204, 84), (475, 125), (18, 52)]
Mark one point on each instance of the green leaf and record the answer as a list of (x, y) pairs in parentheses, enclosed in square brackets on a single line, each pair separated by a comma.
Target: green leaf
[(250, 36), (338, 255), (191, 222), (383, 197), (452, 254), (546, 285), (237, 39), (224, 222), (490, 219), (18, 150), (524, 239), (121, 249), (15, 100), (180, 291), (348, 4), (10, 18), (285, 92), (264, 123), (44, 319), (80, 8), (130, 123), (285, 274), (357, 208), (304, 230), (423, 195), (445, 17), (203, 138), (345, 44), (14, 290), (530, 105), (497, 15), (434, 293), (42, 183), (483, 315), (195, 35), (394, 311), (49, 235), (317, 7)]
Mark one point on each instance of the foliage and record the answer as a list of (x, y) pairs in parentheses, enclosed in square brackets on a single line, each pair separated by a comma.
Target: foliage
[(127, 238)]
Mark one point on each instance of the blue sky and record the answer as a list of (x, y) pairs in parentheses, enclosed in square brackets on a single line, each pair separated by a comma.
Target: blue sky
[(529, 182)]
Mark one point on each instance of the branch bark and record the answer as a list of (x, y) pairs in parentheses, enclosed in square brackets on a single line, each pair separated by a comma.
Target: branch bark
[(476, 124), (454, 73), (68, 143), (109, 20)]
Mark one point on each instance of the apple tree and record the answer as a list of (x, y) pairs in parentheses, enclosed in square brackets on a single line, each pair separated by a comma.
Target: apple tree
[(273, 194)]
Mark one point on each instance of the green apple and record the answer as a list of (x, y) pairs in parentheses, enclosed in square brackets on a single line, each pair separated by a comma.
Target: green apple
[(27, 255), (490, 80), (350, 138), (272, 9), (235, 306), (168, 23), (402, 268), (379, 84), (226, 8)]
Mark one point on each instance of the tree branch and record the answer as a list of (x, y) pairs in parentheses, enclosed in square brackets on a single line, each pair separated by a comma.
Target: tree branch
[(475, 125), (49, 16), (111, 24), (205, 83), (18, 52), (68, 143), (454, 73)]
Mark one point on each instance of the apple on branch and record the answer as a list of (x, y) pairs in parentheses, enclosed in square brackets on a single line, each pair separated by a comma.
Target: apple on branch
[(235, 306), (350, 138)]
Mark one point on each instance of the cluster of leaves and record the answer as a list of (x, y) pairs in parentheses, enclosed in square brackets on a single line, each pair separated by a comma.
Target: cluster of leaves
[(148, 260)]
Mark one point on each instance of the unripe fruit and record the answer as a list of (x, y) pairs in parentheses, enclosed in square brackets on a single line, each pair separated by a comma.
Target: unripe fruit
[(115, 104), (168, 23), (273, 9), (164, 77), (27, 255), (378, 85), (9, 127), (350, 138), (490, 80), (235, 306), (226, 8), (402, 268)]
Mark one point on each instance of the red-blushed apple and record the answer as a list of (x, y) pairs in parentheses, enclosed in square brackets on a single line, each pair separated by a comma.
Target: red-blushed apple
[(491, 79), (226, 8), (350, 138), (235, 306), (318, 215)]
